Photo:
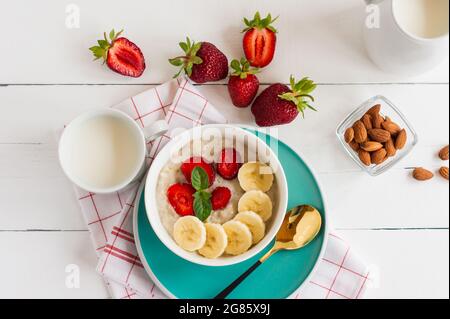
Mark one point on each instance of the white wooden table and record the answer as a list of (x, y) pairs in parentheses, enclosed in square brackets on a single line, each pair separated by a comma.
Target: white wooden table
[(47, 77)]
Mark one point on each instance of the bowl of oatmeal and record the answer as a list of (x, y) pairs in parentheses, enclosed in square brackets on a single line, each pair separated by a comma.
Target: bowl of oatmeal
[(216, 195)]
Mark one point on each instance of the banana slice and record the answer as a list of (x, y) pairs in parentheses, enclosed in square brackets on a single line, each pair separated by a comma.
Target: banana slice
[(255, 176), (216, 241), (258, 202), (239, 237), (255, 223), (189, 233)]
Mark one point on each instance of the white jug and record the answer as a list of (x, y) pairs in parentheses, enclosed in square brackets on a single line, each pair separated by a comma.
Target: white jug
[(410, 36)]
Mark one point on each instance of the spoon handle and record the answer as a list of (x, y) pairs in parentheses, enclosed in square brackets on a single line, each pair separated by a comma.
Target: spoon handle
[(224, 293)]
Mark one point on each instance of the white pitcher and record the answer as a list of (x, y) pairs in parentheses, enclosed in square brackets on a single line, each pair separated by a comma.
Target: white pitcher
[(411, 36)]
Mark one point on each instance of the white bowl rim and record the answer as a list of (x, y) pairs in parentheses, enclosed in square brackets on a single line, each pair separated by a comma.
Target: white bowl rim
[(167, 239)]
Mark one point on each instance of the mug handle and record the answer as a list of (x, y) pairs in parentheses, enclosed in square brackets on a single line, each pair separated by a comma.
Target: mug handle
[(157, 129)]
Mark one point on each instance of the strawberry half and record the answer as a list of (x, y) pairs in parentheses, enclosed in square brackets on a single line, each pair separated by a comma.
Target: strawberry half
[(188, 166), (229, 164), (120, 54), (181, 197), (279, 104), (243, 84), (220, 198), (260, 40), (202, 62)]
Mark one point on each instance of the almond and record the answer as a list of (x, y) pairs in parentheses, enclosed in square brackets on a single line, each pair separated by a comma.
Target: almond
[(360, 132), (401, 139), (371, 146), (422, 174), (354, 146), (379, 135), (443, 153), (444, 172), (367, 121), (349, 135), (377, 121), (379, 156), (390, 148), (364, 157), (374, 110), (391, 127)]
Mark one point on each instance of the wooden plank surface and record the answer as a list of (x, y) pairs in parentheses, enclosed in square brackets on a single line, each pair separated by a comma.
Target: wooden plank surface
[(320, 38), (47, 77)]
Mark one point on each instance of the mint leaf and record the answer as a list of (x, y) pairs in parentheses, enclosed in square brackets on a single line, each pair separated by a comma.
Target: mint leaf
[(202, 205), (199, 179)]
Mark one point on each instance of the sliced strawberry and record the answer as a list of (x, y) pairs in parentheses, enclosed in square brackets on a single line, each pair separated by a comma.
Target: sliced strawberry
[(181, 197), (220, 198), (188, 166), (229, 164), (259, 40), (120, 54)]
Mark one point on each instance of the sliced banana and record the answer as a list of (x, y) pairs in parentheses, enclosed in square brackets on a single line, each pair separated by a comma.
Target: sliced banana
[(255, 223), (255, 176), (216, 241), (239, 237), (189, 233), (258, 202)]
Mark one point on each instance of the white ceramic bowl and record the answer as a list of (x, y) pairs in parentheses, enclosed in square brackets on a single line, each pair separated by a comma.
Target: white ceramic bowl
[(265, 154)]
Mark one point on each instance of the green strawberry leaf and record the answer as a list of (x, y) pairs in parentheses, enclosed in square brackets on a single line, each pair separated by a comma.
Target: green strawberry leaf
[(199, 179), (176, 62), (300, 91)]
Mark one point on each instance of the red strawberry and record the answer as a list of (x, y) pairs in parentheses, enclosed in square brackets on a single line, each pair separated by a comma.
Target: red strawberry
[(188, 166), (260, 40), (120, 54), (203, 62), (220, 198), (181, 197), (229, 164), (243, 84), (279, 104)]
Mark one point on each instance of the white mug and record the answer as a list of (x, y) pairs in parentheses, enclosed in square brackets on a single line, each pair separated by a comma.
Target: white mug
[(104, 151), (410, 36)]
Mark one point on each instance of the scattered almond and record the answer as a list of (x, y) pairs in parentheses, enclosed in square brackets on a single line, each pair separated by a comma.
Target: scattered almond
[(422, 174), (401, 139), (390, 148), (391, 127), (349, 135), (374, 110), (371, 146), (444, 172), (367, 121), (354, 146), (360, 132), (377, 121), (379, 156), (379, 135), (443, 153), (365, 157)]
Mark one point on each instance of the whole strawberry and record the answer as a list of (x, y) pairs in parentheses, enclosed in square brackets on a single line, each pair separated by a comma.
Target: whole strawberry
[(279, 104), (260, 40), (203, 62), (120, 54), (243, 84)]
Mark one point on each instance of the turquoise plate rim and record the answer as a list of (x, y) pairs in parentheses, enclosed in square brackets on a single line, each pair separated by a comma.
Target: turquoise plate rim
[(155, 279)]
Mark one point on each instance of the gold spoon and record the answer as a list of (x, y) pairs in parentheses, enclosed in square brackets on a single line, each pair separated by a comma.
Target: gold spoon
[(300, 226)]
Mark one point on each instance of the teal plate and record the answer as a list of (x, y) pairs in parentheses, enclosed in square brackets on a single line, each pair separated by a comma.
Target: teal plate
[(279, 277)]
